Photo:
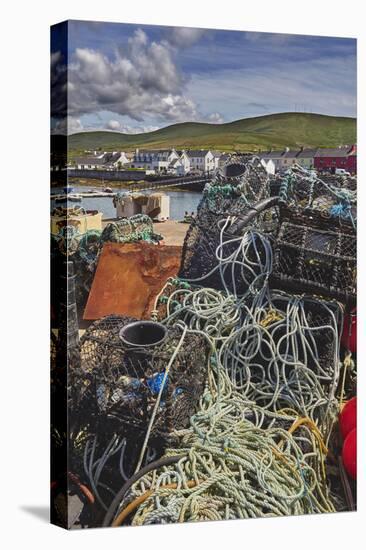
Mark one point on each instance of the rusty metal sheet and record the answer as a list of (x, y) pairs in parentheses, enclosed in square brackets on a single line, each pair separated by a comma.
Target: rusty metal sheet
[(128, 278)]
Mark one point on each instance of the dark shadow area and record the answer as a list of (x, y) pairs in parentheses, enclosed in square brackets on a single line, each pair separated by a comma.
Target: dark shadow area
[(40, 512)]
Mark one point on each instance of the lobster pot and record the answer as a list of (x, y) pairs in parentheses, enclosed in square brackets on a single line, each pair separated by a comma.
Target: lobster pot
[(117, 385), (136, 228), (308, 259), (224, 197), (327, 204)]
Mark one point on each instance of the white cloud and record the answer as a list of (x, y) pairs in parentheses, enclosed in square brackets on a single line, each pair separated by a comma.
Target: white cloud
[(143, 81), (113, 125), (184, 37), (216, 118), (140, 82), (116, 126)]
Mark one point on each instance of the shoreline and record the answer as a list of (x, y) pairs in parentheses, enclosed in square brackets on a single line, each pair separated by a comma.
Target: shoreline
[(125, 186)]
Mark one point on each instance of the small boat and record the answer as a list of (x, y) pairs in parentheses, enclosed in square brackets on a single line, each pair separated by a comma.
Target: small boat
[(69, 198), (75, 197), (107, 190)]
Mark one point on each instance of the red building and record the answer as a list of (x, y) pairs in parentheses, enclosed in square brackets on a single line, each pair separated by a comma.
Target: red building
[(327, 160)]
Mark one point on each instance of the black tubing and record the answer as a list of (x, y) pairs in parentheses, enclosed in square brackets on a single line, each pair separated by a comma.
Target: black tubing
[(165, 461), (242, 221)]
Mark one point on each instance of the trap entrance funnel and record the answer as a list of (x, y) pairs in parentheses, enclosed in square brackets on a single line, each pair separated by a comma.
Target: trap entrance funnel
[(143, 334)]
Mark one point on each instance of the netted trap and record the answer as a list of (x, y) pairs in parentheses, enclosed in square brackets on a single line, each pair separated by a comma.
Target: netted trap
[(136, 228), (119, 384), (307, 259), (225, 197), (326, 204), (310, 225)]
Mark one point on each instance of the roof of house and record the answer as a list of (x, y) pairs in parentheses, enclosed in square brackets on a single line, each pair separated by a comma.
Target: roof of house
[(89, 160), (272, 154), (162, 154), (290, 154), (333, 152), (307, 153), (197, 153), (174, 162)]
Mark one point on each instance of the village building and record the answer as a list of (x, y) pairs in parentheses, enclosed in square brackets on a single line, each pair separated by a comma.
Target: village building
[(158, 160), (275, 157), (89, 163), (177, 167), (305, 158), (101, 160), (202, 160), (186, 162), (327, 160)]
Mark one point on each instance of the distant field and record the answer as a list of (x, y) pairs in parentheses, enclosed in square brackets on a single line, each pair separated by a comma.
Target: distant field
[(250, 134)]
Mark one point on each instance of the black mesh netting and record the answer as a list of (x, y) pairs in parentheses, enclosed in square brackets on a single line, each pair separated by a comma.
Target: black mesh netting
[(120, 385), (312, 232), (222, 198), (310, 259), (327, 203)]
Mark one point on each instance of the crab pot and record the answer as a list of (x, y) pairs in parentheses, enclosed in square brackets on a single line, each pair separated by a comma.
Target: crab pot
[(317, 261), (123, 365), (232, 195)]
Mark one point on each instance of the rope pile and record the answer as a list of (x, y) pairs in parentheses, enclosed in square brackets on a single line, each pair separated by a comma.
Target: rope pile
[(258, 444)]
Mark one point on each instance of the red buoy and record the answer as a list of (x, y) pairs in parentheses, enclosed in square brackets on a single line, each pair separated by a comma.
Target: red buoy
[(349, 454), (349, 334), (348, 417)]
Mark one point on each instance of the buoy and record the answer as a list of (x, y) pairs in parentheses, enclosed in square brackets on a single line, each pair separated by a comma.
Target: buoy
[(348, 417), (349, 334), (349, 454)]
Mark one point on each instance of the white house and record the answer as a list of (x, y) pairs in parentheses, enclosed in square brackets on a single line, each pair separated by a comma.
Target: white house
[(177, 167), (89, 163), (154, 160), (269, 166), (306, 158), (202, 160), (186, 162), (105, 161), (116, 160)]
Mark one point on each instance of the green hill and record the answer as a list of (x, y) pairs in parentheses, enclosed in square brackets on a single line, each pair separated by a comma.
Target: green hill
[(248, 134)]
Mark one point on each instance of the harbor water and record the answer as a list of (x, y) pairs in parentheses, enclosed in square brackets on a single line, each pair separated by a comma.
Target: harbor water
[(180, 202)]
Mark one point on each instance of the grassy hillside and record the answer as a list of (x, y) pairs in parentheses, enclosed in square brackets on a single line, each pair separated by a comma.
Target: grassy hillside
[(248, 134)]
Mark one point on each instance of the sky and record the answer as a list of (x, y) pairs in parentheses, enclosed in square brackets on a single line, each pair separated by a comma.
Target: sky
[(138, 78)]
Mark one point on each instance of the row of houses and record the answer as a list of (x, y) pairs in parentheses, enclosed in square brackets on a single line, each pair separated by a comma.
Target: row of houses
[(320, 159), (181, 162), (169, 161)]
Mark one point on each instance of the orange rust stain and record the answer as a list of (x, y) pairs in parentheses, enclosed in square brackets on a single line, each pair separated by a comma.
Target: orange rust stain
[(128, 278)]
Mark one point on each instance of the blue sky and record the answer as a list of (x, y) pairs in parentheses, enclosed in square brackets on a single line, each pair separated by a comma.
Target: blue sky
[(135, 78)]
